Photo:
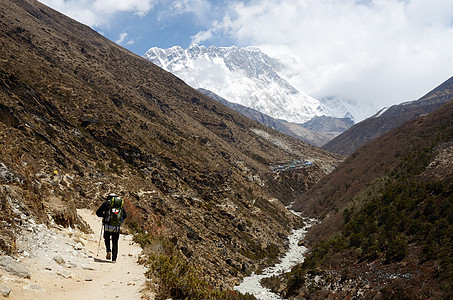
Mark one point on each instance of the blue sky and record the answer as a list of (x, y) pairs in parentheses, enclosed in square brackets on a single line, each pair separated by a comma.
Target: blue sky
[(374, 53), (141, 24)]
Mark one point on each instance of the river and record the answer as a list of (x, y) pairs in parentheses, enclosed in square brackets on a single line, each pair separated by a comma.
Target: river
[(294, 255)]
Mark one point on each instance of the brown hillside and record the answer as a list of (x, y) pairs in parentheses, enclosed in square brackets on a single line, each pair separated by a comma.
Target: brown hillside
[(387, 218), (81, 117), (367, 165)]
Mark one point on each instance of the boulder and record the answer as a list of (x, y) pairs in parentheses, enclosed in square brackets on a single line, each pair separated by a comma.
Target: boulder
[(302, 243), (4, 291), (13, 267)]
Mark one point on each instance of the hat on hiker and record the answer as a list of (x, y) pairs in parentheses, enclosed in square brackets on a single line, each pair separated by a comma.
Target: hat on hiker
[(111, 195)]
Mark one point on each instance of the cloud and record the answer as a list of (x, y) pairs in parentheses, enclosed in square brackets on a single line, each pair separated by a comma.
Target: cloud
[(122, 37), (378, 51), (139, 7), (95, 13), (122, 40), (201, 37), (199, 8), (213, 31)]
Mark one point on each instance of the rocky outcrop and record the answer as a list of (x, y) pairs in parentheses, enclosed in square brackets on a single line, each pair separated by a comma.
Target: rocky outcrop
[(6, 176)]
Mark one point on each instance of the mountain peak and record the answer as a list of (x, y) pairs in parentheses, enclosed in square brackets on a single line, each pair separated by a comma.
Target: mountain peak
[(245, 76)]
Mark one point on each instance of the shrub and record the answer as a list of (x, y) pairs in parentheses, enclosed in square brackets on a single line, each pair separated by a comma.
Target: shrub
[(177, 278), (397, 250)]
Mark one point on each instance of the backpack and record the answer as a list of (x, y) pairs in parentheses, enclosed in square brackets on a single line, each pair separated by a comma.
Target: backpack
[(114, 213)]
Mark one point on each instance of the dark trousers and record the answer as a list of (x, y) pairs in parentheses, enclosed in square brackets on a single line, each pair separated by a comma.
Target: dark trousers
[(115, 237)]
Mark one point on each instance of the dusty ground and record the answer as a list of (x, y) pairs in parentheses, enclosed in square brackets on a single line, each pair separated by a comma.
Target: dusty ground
[(81, 274)]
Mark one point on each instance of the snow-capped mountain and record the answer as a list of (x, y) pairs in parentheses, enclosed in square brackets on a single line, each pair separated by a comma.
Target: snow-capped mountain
[(245, 76)]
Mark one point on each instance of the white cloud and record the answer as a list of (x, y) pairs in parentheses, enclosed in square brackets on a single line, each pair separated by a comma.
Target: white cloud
[(122, 37), (139, 7), (216, 28), (99, 12), (201, 37), (200, 8), (122, 40), (381, 52)]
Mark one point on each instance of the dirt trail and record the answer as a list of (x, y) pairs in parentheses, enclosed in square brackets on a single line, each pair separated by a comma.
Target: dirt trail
[(81, 275)]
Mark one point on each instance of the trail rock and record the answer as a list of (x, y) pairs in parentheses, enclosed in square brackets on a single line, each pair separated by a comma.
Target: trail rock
[(34, 287), (11, 266), (70, 265), (4, 290), (78, 246), (64, 274), (59, 260)]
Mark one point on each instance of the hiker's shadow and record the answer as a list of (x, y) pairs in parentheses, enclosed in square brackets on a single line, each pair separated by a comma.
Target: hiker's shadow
[(104, 261)]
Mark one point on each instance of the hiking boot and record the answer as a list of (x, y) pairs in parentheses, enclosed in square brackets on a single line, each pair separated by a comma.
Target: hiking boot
[(108, 255)]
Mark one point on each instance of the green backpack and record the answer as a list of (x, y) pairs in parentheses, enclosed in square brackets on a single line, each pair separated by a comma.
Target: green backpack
[(114, 214)]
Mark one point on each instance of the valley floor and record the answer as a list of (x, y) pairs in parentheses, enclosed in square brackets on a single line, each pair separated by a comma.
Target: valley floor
[(79, 273)]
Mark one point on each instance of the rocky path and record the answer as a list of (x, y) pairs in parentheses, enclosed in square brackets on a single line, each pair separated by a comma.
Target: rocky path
[(62, 264)]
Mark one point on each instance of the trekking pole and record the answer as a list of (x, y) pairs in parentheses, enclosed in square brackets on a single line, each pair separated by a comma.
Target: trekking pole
[(100, 236)]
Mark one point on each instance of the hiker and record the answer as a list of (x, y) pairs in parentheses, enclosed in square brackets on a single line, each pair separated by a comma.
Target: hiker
[(113, 214)]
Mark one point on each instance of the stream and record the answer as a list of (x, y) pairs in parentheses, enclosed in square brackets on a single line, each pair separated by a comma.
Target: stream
[(294, 255)]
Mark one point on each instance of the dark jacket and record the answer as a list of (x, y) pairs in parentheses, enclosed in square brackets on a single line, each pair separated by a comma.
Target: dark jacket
[(103, 209)]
